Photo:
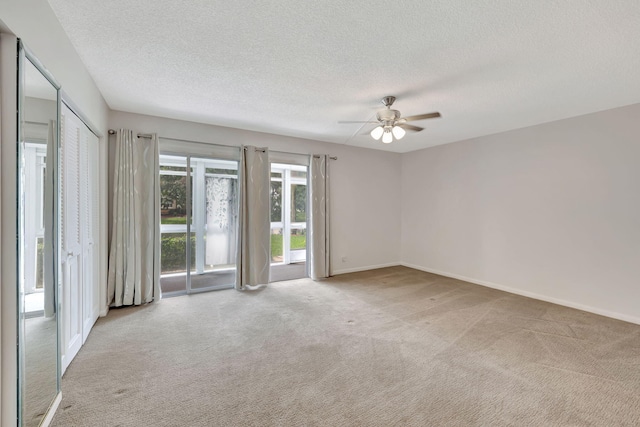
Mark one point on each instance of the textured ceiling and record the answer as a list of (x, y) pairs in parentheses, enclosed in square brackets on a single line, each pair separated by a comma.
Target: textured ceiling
[(297, 68)]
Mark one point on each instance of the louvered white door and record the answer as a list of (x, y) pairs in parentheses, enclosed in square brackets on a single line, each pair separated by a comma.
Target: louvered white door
[(90, 221), (72, 251), (79, 228)]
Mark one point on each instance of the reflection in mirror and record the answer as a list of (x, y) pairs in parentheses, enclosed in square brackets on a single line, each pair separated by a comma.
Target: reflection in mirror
[(38, 344)]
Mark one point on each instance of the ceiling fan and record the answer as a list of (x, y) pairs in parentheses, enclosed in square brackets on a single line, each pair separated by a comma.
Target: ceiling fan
[(391, 124)]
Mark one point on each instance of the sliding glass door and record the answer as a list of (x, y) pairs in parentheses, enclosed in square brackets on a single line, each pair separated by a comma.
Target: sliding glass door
[(199, 211), (214, 230), (288, 221)]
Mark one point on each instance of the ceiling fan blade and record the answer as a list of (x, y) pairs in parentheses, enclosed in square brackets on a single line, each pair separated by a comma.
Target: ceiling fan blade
[(346, 122), (410, 127), (422, 117)]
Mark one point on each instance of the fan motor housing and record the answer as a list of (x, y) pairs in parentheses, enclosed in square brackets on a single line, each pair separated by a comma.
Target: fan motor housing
[(388, 115)]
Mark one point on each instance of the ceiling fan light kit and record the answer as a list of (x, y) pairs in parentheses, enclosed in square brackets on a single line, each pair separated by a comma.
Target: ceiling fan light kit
[(387, 133), (398, 132), (377, 132), (387, 137), (391, 125)]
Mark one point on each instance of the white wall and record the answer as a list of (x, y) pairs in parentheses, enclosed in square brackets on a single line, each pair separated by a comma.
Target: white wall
[(365, 186), (550, 211)]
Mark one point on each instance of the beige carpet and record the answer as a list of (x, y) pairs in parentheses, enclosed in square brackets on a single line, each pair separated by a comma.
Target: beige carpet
[(389, 347)]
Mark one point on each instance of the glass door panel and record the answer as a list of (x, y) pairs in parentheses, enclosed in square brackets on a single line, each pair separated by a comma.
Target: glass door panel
[(277, 245), (173, 223), (277, 242), (215, 201), (173, 262), (288, 221), (298, 229), (199, 199)]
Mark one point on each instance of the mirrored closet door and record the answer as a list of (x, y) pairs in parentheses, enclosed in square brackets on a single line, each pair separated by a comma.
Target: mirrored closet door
[(38, 118)]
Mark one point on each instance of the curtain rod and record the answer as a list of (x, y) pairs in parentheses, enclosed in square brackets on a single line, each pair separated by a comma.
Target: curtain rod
[(316, 156), (148, 135), (262, 150), (140, 135)]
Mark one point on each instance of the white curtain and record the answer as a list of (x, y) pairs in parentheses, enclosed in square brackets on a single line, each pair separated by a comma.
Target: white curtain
[(134, 259), (319, 236), (48, 212), (254, 245)]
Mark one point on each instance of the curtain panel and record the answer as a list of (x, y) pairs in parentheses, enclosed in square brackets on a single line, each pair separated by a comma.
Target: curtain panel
[(320, 221), (134, 259), (254, 245)]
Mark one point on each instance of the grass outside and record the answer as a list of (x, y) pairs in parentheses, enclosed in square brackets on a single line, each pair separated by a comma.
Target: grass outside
[(174, 220), (297, 242)]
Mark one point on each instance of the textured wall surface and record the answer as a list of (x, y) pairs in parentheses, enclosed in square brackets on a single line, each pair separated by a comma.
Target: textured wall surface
[(551, 211)]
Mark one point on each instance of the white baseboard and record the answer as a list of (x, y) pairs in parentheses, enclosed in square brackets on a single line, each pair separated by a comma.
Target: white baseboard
[(368, 267), (571, 304)]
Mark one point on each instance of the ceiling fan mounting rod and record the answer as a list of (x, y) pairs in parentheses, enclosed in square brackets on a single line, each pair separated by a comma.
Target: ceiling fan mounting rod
[(388, 101)]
